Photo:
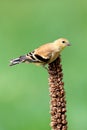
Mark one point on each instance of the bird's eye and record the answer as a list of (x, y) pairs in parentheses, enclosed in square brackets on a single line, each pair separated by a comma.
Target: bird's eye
[(63, 41)]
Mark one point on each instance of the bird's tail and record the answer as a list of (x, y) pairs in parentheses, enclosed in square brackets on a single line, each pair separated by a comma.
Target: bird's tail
[(21, 59)]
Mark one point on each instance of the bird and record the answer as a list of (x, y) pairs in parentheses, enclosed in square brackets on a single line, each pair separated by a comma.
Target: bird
[(43, 55)]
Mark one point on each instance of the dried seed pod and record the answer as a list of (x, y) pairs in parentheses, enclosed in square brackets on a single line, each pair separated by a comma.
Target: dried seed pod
[(57, 95)]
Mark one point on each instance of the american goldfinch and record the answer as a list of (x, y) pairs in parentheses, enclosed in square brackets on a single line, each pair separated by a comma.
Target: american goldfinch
[(43, 55)]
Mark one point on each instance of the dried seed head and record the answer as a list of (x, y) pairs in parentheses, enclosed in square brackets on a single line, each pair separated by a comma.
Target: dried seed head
[(57, 95)]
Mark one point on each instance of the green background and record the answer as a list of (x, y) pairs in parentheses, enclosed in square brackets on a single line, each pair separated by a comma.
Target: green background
[(24, 90)]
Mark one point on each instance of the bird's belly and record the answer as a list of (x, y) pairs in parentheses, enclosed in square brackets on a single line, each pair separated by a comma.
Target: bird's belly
[(40, 64)]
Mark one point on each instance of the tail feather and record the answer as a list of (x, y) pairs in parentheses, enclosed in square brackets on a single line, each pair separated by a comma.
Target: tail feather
[(17, 60), (29, 58)]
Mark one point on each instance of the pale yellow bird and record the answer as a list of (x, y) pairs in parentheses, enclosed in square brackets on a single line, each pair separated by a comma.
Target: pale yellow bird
[(43, 55)]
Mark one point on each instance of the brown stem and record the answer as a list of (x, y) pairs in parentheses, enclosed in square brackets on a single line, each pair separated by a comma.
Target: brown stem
[(57, 94)]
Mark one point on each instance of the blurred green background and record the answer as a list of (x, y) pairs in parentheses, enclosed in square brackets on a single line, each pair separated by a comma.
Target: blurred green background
[(24, 93)]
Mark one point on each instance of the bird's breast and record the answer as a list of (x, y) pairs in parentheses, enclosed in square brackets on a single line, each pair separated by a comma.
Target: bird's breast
[(54, 57)]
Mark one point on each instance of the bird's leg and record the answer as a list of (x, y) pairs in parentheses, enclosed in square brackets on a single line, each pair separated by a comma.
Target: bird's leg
[(45, 67)]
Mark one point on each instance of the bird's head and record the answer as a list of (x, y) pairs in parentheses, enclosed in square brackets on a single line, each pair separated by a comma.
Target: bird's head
[(62, 43)]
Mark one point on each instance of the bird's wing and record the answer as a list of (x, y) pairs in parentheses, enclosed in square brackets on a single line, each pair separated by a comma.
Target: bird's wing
[(41, 54), (44, 51)]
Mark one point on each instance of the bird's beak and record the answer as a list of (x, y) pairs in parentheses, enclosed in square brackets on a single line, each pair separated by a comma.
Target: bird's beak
[(68, 44)]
